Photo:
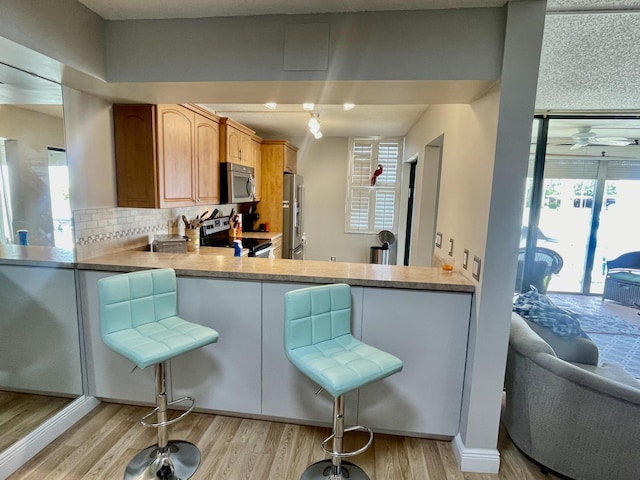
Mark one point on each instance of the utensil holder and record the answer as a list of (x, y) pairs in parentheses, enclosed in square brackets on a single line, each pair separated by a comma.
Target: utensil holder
[(193, 239)]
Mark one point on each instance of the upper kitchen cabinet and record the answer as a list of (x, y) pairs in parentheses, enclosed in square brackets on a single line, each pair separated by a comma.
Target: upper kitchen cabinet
[(166, 155), (236, 143), (278, 157), (256, 153), (281, 154)]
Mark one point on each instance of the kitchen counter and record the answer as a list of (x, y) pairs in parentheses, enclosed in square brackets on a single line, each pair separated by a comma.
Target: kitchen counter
[(214, 265), (35, 255)]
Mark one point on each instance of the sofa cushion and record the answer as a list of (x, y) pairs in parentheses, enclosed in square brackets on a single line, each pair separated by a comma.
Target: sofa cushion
[(611, 372), (626, 276), (576, 349)]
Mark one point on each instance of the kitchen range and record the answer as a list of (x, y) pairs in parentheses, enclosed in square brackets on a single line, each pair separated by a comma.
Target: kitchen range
[(215, 233)]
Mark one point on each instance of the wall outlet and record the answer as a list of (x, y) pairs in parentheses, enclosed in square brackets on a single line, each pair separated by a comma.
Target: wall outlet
[(465, 259), (451, 247)]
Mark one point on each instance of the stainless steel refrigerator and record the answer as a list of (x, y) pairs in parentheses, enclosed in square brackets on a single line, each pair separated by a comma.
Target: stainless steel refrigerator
[(293, 217)]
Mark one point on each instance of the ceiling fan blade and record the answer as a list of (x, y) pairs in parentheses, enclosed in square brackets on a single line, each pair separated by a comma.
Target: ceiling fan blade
[(612, 141)]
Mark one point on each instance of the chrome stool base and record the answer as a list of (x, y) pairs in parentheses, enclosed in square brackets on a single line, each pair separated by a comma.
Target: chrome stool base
[(178, 461), (323, 469)]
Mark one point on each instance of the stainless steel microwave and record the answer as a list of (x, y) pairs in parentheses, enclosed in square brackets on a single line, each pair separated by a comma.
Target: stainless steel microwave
[(238, 185)]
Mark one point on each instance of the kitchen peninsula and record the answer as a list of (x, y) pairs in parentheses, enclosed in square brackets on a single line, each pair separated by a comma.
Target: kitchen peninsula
[(420, 314)]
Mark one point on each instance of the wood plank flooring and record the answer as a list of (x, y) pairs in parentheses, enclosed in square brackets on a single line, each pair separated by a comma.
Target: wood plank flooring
[(20, 413), (101, 444)]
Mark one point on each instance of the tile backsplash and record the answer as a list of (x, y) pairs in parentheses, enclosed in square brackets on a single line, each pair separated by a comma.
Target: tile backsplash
[(99, 231)]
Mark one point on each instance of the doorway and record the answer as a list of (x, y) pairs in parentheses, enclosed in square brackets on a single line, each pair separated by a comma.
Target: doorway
[(582, 192), (412, 184)]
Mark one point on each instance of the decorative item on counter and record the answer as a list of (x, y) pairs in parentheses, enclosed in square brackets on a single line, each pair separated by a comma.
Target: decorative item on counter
[(23, 237), (237, 248), (235, 221), (448, 265)]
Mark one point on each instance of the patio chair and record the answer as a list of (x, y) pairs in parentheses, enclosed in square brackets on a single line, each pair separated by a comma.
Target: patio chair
[(546, 263)]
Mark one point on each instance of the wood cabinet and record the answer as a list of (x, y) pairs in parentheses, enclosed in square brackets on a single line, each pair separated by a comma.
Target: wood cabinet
[(256, 157), (277, 246), (278, 157), (236, 142), (166, 155)]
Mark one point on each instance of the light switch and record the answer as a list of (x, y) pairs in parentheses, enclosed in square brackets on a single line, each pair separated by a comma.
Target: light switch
[(475, 270), (439, 239)]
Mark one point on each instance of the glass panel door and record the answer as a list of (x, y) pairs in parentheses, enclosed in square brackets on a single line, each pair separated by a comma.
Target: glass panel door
[(582, 189)]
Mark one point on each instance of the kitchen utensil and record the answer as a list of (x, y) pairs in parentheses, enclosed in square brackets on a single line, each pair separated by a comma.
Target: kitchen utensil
[(186, 222), (213, 214), (204, 215)]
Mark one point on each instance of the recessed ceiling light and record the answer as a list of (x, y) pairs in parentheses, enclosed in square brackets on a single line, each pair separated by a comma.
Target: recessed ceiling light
[(348, 106), (308, 106), (271, 105)]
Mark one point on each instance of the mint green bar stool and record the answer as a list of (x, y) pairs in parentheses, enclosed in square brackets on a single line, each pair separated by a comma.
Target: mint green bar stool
[(139, 320), (318, 341)]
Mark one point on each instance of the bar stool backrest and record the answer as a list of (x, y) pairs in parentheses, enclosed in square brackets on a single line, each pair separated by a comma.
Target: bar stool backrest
[(137, 298), (316, 314)]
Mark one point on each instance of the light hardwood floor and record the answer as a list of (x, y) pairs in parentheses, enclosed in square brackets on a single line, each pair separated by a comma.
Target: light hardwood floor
[(20, 413), (101, 444)]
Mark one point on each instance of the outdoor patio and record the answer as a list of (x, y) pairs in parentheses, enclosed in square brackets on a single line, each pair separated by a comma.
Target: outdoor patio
[(613, 327)]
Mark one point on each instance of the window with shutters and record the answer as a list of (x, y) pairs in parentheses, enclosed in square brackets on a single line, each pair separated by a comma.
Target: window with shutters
[(373, 184)]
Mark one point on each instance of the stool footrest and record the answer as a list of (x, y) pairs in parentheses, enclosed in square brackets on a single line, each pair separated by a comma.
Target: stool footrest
[(173, 420), (358, 428)]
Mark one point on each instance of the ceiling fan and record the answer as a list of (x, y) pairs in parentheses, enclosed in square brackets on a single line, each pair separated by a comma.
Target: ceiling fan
[(585, 137)]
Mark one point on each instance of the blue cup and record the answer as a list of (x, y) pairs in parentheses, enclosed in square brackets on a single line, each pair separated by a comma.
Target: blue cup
[(22, 237)]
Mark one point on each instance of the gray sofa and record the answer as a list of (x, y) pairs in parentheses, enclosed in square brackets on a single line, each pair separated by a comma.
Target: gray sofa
[(567, 413)]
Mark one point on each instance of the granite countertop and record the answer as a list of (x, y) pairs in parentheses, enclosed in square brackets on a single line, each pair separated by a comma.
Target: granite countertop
[(35, 255), (210, 264)]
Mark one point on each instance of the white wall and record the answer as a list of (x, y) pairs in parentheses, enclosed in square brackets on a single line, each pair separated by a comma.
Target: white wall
[(64, 30), (90, 151), (360, 46), (324, 165), (468, 133)]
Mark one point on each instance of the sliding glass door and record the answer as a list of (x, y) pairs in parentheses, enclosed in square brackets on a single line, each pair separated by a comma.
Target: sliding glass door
[(583, 187)]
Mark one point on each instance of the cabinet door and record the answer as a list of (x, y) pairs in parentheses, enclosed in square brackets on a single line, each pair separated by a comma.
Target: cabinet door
[(234, 144), (428, 331), (39, 338), (290, 159), (135, 150), (207, 154), (110, 376), (176, 166), (223, 376), (257, 166)]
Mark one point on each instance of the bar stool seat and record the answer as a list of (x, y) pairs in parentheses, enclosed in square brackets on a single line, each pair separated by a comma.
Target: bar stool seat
[(319, 343), (139, 320)]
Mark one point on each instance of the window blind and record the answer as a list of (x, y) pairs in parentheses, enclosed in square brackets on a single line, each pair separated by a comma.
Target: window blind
[(371, 208)]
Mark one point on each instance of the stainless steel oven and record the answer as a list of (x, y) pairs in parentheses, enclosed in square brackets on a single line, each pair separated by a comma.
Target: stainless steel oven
[(215, 233), (237, 183)]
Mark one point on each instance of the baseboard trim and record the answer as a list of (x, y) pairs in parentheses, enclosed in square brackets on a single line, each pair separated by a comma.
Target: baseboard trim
[(477, 460), (26, 448)]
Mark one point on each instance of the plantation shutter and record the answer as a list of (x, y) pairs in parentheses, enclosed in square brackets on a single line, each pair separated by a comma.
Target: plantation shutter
[(373, 208)]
